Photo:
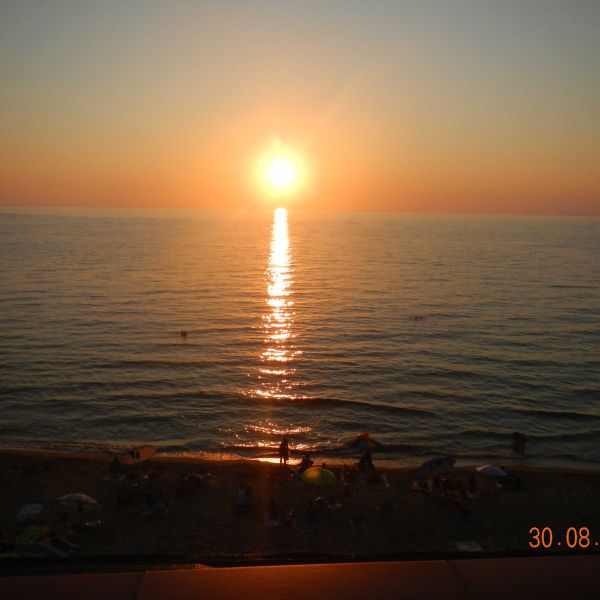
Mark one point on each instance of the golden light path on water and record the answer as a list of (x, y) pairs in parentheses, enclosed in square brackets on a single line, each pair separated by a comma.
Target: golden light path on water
[(276, 371)]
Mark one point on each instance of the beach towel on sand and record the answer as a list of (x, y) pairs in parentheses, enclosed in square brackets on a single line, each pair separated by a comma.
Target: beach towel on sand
[(29, 511)]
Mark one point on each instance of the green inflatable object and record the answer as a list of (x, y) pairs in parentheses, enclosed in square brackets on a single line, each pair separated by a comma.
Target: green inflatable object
[(318, 476)]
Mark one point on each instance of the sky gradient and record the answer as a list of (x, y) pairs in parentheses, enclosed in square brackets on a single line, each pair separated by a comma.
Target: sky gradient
[(463, 106)]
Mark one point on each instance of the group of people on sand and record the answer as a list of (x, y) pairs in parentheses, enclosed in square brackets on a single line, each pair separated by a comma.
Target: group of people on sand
[(366, 468), (443, 488), (284, 457), (366, 461), (459, 492), (306, 520), (365, 471)]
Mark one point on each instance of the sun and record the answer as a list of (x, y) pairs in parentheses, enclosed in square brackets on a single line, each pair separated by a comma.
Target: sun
[(281, 173)]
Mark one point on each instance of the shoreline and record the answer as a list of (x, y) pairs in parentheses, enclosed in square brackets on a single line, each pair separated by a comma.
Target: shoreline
[(94, 451)]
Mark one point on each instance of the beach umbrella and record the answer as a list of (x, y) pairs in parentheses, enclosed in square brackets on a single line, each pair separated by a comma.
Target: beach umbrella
[(436, 466), (77, 499), (364, 441), (318, 476), (491, 471)]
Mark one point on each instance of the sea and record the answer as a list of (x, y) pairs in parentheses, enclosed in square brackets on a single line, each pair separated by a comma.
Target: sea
[(216, 333)]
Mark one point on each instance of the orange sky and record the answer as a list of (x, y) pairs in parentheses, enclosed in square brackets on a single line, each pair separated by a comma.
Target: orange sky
[(400, 107)]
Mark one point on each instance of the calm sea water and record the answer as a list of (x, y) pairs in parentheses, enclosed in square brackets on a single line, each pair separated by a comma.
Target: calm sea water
[(434, 333)]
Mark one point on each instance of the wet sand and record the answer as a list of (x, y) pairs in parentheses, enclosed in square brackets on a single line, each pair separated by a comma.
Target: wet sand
[(373, 520)]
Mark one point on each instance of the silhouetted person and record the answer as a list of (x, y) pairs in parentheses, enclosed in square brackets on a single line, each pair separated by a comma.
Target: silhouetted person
[(273, 516), (284, 451), (244, 499), (114, 469), (366, 461), (519, 440), (306, 463)]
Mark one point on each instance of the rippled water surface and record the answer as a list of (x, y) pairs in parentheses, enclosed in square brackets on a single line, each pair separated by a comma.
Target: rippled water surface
[(434, 333)]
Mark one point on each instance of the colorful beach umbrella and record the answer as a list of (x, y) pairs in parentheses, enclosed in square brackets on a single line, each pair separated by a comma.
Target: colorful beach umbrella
[(436, 466), (491, 471), (364, 441), (318, 476)]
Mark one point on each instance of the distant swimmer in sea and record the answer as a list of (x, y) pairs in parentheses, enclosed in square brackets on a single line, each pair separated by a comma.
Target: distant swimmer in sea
[(519, 441), (284, 451)]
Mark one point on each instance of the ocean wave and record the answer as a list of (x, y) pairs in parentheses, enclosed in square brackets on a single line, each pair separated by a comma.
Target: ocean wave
[(574, 436), (557, 414), (573, 287), (349, 404), (137, 363), (442, 373)]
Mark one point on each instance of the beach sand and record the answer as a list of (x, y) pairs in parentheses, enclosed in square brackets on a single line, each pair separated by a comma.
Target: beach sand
[(202, 522)]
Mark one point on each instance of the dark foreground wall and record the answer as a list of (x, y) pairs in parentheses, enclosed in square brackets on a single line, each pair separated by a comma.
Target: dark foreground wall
[(515, 578)]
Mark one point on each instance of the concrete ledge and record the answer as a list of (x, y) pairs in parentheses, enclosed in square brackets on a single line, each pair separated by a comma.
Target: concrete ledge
[(546, 577)]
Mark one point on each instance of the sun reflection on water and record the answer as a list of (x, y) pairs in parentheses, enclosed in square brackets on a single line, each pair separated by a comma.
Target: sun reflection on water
[(276, 371)]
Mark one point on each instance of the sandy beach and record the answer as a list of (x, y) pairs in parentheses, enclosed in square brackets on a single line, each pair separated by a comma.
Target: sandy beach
[(202, 522)]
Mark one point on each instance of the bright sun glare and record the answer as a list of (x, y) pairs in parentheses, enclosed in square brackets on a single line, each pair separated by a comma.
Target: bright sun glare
[(281, 173)]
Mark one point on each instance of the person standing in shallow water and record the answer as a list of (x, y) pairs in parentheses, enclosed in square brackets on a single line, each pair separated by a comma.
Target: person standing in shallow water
[(284, 451)]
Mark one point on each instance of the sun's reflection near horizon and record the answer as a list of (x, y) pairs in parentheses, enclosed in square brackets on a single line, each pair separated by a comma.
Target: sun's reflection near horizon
[(275, 372)]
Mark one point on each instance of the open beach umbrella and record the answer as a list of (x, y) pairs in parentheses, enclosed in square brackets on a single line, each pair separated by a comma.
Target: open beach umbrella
[(364, 441), (436, 466), (318, 476), (76, 499), (491, 471)]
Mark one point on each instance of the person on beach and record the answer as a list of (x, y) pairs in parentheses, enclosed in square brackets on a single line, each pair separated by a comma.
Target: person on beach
[(244, 499), (332, 504), (305, 463), (473, 487), (159, 508), (240, 501), (114, 470), (185, 487), (366, 461), (310, 517), (273, 515), (284, 451)]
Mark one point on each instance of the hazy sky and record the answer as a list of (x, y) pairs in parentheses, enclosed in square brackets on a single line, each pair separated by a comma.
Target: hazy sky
[(454, 105)]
